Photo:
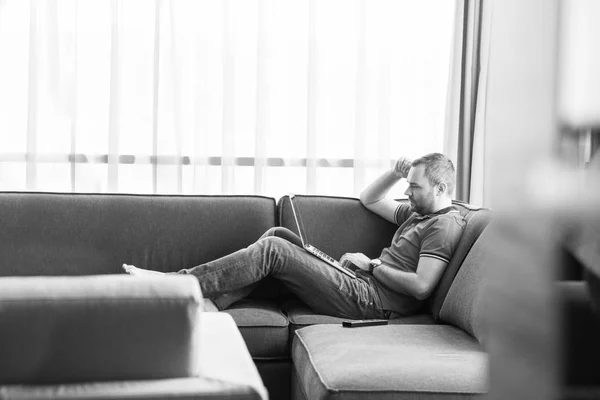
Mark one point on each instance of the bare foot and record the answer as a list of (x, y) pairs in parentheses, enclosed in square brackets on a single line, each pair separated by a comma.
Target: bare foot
[(131, 270)]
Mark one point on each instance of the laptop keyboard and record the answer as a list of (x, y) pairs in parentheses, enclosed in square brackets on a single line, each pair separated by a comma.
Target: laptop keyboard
[(320, 254)]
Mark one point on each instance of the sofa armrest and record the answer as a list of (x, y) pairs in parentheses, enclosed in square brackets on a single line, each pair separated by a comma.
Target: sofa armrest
[(98, 328), (224, 356), (226, 371)]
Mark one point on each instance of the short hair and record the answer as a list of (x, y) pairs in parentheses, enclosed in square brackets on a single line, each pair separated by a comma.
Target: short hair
[(438, 169)]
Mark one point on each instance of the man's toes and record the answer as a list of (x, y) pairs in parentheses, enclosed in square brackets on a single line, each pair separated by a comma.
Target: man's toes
[(128, 268)]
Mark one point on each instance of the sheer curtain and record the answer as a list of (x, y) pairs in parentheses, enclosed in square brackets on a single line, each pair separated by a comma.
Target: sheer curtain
[(218, 96), (465, 139)]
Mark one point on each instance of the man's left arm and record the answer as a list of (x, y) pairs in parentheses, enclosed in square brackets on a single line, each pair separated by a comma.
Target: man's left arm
[(437, 246), (419, 284)]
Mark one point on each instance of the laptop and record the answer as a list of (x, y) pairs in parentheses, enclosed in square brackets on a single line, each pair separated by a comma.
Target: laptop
[(313, 250)]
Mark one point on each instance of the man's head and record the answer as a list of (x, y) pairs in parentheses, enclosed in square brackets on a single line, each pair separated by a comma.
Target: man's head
[(431, 183)]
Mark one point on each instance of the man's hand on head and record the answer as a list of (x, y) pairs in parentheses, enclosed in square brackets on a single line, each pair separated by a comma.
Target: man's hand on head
[(358, 259), (403, 166)]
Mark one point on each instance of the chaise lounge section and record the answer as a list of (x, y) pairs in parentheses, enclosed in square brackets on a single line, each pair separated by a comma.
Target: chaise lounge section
[(403, 360), (434, 353)]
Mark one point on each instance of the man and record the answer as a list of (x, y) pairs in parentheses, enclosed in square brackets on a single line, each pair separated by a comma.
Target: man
[(403, 276)]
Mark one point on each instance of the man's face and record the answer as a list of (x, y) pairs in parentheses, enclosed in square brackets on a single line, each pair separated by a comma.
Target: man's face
[(420, 192)]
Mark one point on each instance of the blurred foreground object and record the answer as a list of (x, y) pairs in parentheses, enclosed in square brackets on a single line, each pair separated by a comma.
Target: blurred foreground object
[(579, 63), (117, 336), (578, 85), (543, 114)]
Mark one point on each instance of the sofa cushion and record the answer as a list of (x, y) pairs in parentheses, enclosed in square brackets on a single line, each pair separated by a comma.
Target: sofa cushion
[(388, 362), (84, 234), (263, 326), (464, 304), (477, 219)]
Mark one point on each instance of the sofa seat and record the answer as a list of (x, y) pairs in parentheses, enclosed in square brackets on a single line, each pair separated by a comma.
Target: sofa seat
[(264, 328), (387, 362), (300, 316)]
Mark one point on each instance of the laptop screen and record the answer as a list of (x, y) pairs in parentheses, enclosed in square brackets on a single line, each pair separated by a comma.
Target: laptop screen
[(298, 220)]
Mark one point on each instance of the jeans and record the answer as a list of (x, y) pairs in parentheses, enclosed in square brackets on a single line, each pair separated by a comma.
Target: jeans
[(278, 253)]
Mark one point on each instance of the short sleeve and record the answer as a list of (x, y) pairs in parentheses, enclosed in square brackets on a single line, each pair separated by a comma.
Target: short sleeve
[(402, 213), (441, 237)]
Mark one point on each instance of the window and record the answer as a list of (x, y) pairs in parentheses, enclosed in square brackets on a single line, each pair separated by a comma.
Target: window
[(208, 97)]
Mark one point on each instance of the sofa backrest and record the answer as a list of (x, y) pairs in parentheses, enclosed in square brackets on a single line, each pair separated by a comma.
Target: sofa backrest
[(476, 218), (464, 303), (338, 225), (83, 234)]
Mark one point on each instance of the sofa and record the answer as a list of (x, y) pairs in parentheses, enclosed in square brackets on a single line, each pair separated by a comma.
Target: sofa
[(117, 337), (298, 353)]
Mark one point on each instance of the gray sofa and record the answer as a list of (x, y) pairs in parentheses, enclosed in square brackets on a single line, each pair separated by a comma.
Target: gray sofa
[(436, 353), (117, 337), (298, 353)]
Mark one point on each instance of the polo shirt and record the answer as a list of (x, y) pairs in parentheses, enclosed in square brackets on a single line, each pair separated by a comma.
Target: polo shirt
[(433, 235)]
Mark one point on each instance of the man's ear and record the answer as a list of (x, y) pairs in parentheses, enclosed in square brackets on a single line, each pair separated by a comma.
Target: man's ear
[(442, 188)]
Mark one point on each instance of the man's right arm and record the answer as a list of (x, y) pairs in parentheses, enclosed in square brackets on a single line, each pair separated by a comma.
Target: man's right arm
[(374, 196)]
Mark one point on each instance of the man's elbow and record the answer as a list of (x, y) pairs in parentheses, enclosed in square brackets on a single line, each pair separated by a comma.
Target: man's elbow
[(363, 198), (366, 201), (422, 291)]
